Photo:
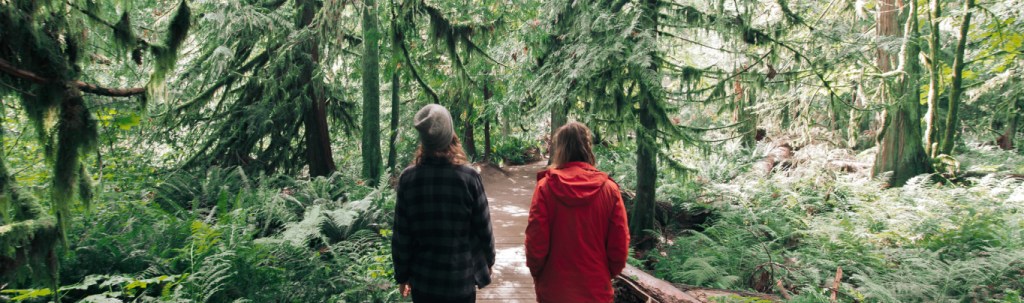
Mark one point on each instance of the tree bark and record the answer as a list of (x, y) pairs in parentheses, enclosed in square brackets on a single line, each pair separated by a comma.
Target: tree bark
[(506, 128), (487, 125), (931, 135), (371, 95), (559, 117), (900, 150), (642, 217), (395, 95), (743, 115), (1005, 141), (318, 140), (886, 26), (955, 89), (646, 175), (467, 128)]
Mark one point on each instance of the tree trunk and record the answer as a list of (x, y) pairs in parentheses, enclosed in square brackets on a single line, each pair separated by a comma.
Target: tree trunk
[(487, 125), (853, 126), (467, 127), (886, 27), (506, 128), (952, 123), (900, 150), (1010, 132), (559, 117), (642, 217), (371, 95), (395, 102), (931, 136), (318, 138), (748, 120)]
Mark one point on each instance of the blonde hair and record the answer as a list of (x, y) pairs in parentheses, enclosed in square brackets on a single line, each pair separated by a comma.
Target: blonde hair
[(571, 144), (453, 153)]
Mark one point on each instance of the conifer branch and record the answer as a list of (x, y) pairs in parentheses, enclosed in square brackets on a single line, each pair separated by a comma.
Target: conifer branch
[(415, 74), (10, 69)]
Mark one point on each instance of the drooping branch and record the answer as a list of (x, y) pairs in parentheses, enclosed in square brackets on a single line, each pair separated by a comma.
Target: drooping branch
[(416, 74), (109, 92), (10, 69)]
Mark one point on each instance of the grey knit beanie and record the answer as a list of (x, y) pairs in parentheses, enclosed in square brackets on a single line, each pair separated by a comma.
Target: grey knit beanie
[(435, 126)]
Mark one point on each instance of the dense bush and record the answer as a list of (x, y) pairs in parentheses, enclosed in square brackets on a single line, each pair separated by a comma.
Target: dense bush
[(925, 241), (219, 236), (514, 150)]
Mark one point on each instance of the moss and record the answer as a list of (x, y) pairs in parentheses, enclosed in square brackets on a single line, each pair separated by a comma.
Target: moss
[(167, 54), (124, 37), (29, 242)]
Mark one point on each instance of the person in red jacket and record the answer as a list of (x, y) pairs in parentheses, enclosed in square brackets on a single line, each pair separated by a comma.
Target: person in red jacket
[(577, 238)]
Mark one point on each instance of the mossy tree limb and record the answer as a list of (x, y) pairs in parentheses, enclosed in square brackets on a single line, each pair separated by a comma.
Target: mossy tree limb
[(956, 87)]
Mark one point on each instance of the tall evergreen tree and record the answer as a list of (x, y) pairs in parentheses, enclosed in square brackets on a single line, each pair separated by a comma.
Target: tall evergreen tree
[(259, 98), (318, 139), (371, 94), (900, 150), (642, 217), (396, 65)]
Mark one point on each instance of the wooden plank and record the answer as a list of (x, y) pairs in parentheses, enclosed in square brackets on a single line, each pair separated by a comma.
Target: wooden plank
[(509, 197)]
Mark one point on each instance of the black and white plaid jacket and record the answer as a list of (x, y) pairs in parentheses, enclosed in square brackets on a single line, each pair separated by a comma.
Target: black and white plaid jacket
[(442, 242)]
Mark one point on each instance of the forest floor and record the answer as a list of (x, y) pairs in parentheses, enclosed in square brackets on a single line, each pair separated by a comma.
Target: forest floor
[(509, 193)]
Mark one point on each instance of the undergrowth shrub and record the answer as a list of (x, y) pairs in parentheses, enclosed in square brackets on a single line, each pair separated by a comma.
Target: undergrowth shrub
[(924, 242), (514, 150), (221, 236)]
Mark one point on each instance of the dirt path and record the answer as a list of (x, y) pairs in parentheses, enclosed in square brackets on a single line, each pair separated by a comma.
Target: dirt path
[(509, 197)]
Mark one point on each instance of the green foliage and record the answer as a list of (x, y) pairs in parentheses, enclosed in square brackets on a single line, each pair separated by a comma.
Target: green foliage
[(922, 242), (516, 151), (276, 240), (166, 55), (257, 83), (203, 192)]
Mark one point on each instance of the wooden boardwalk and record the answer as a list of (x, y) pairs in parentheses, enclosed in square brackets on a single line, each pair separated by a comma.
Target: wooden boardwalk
[(509, 197)]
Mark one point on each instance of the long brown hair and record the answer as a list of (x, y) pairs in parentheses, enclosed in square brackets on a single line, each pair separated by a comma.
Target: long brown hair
[(572, 143), (453, 153)]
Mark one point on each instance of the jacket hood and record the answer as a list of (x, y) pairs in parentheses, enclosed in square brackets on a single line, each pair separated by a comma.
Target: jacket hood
[(575, 183)]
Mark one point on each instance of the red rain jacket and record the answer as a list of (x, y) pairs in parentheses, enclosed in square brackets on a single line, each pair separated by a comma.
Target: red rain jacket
[(577, 239)]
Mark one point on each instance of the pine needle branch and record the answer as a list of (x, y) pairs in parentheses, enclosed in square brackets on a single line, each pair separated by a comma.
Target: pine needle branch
[(10, 69)]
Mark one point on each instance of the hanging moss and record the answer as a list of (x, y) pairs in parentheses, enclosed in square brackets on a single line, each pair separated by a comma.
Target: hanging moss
[(166, 55), (27, 234), (85, 187), (76, 135), (690, 74), (124, 37)]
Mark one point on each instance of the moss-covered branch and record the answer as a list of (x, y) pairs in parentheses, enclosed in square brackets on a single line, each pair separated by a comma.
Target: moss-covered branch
[(10, 69)]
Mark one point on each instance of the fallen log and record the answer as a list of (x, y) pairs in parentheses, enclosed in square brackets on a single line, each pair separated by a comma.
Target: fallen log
[(651, 289), (654, 288)]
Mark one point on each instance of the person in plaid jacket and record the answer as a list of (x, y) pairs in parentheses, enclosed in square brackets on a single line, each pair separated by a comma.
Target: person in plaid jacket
[(443, 245)]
